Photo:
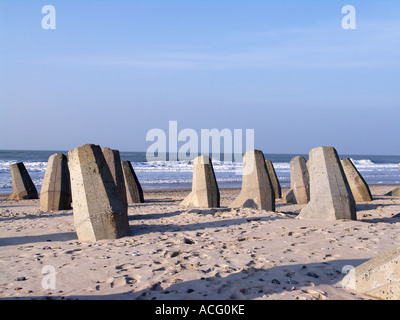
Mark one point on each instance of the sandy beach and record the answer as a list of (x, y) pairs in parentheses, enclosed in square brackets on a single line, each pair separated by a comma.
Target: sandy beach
[(180, 253)]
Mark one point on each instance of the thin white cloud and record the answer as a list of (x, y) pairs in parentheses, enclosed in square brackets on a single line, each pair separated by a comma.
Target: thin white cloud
[(372, 44)]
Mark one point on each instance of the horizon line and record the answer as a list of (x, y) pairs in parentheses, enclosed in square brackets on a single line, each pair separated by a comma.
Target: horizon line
[(270, 153)]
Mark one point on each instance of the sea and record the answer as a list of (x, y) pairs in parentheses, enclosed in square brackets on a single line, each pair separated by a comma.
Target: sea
[(160, 174)]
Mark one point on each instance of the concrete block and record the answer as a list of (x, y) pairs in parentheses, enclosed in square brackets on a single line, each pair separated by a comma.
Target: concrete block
[(395, 192), (205, 192), (113, 160), (378, 277), (289, 197), (23, 187), (56, 188), (299, 180), (257, 191), (330, 194), (99, 212), (358, 186), (134, 191), (274, 179)]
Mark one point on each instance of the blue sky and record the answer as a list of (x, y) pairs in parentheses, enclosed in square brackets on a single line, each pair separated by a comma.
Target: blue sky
[(113, 70)]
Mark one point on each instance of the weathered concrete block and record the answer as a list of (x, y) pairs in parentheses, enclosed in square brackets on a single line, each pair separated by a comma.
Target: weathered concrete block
[(257, 191), (113, 160), (56, 188), (97, 206), (395, 192), (358, 186), (205, 192), (274, 179), (378, 277), (290, 197), (299, 180), (330, 194), (134, 191), (23, 187)]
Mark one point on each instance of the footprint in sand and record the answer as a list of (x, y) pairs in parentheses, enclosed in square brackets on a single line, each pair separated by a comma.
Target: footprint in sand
[(114, 282)]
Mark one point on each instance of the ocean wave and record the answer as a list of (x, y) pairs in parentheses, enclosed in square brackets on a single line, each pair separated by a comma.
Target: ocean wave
[(8, 184), (180, 172), (5, 185), (166, 181), (182, 166), (187, 166), (183, 180), (35, 166), (367, 163)]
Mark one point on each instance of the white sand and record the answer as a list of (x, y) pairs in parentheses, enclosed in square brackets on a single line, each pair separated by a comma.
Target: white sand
[(186, 253)]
